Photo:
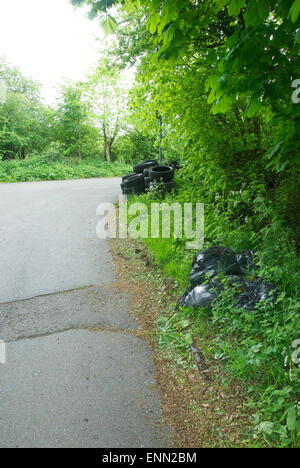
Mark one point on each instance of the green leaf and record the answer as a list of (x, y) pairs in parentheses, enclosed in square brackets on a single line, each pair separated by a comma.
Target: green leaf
[(235, 7), (251, 15), (295, 11), (266, 427), (263, 9), (274, 150), (130, 7), (92, 14), (233, 40), (256, 12), (211, 82), (154, 21), (211, 98), (252, 108), (222, 105), (291, 419), (108, 24), (153, 6), (297, 36)]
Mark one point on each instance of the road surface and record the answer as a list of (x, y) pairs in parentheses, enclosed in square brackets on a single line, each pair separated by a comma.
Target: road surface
[(64, 385)]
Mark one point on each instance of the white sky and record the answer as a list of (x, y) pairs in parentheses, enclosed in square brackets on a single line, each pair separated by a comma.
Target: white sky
[(48, 40)]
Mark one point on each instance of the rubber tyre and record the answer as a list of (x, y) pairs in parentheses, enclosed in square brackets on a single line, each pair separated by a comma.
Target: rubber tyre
[(125, 177), (175, 164), (136, 190), (127, 191), (139, 189), (147, 164), (147, 182), (164, 173), (170, 186), (137, 179)]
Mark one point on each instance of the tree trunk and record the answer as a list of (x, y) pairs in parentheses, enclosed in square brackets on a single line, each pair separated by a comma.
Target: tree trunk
[(159, 116), (240, 124), (108, 142), (23, 152), (79, 142), (107, 151)]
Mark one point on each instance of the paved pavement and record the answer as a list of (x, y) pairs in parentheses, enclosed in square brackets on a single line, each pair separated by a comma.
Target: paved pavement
[(64, 385)]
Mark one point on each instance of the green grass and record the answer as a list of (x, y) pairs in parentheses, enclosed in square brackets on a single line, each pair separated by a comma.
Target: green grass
[(38, 168), (251, 346)]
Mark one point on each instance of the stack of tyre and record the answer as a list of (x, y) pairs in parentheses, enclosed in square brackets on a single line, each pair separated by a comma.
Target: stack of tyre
[(147, 174)]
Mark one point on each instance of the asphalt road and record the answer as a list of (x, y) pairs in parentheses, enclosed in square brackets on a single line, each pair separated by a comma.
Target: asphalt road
[(64, 385)]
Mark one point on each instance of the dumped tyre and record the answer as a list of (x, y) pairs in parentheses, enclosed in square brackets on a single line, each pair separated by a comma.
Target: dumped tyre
[(147, 182), (161, 173), (148, 173), (161, 187), (134, 180), (134, 185), (126, 177), (136, 190), (147, 164), (170, 186), (175, 164)]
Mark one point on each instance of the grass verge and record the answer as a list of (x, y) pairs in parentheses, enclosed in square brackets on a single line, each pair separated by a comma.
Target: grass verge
[(252, 348), (200, 407)]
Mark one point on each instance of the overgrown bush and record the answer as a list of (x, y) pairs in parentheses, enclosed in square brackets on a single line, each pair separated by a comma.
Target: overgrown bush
[(134, 147), (40, 168), (255, 346)]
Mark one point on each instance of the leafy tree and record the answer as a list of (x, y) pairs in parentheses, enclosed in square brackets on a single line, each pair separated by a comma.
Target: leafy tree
[(108, 97), (72, 117), (252, 46), (22, 115), (134, 146), (17, 83)]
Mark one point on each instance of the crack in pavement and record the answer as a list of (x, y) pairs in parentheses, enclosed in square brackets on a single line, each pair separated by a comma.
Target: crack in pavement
[(96, 329), (48, 294), (83, 308)]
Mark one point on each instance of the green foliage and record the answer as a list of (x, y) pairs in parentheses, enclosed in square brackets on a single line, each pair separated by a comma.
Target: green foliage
[(249, 46), (252, 346), (134, 147), (108, 24), (295, 11), (53, 165), (23, 118), (85, 123), (54, 153), (72, 118), (260, 342), (107, 96)]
